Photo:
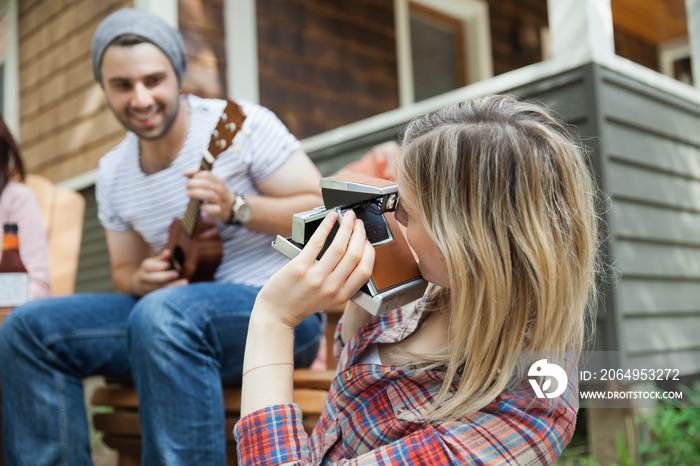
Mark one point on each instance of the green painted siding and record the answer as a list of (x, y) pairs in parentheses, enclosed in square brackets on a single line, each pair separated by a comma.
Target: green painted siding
[(94, 273), (652, 167)]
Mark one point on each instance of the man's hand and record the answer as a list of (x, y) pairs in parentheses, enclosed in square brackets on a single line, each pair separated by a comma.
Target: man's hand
[(207, 187), (154, 273)]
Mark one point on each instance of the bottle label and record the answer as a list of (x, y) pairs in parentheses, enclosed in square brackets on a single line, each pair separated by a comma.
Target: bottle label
[(14, 289)]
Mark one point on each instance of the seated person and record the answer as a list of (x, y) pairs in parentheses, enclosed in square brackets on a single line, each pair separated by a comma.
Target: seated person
[(498, 205), (18, 205), (176, 340)]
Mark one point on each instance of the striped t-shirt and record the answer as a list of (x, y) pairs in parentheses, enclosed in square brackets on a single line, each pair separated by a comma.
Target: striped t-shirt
[(128, 199)]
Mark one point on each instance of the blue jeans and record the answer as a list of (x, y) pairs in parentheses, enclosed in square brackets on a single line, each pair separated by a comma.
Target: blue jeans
[(177, 344)]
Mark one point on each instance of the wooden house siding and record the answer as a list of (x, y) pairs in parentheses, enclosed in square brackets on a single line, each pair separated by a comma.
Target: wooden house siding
[(635, 48), (326, 64), (201, 23), (511, 21), (322, 65), (65, 126)]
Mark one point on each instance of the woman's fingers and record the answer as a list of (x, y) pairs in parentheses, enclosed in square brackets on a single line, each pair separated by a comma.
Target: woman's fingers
[(339, 246), (314, 245), (362, 271), (353, 253), (346, 264), (318, 240)]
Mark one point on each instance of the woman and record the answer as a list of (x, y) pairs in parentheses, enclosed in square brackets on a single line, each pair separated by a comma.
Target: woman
[(498, 205), (18, 205)]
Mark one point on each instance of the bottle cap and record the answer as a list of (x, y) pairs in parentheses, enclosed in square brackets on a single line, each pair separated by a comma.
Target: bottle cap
[(10, 228)]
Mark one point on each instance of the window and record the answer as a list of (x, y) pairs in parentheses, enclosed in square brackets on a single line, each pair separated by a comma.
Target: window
[(436, 44), (441, 45), (654, 34)]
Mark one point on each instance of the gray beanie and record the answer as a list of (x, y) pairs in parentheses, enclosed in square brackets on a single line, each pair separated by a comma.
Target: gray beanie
[(142, 24)]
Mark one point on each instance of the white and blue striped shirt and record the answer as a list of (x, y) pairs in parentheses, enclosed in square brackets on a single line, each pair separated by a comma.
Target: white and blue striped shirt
[(128, 199)]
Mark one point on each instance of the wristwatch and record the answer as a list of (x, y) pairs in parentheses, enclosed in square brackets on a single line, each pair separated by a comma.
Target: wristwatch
[(240, 211)]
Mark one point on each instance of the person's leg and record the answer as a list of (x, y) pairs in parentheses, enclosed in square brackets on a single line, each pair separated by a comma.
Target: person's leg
[(46, 348), (182, 342)]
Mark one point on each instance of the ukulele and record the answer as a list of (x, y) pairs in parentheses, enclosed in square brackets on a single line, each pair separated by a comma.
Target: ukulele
[(194, 242)]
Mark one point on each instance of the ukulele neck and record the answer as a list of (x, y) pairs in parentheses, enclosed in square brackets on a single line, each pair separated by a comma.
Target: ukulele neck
[(230, 122), (189, 220)]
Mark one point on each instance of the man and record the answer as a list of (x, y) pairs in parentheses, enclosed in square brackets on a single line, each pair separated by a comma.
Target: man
[(177, 341)]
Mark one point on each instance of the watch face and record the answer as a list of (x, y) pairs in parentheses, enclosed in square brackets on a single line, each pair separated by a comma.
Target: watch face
[(244, 213)]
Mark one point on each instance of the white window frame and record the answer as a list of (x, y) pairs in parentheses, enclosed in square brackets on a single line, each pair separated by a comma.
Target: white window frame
[(474, 14), (10, 90), (672, 51), (165, 9), (241, 26)]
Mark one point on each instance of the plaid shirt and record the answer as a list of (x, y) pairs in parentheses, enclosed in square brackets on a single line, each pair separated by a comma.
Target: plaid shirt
[(372, 417)]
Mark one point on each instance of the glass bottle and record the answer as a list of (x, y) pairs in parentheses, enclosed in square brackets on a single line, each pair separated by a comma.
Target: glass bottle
[(14, 280)]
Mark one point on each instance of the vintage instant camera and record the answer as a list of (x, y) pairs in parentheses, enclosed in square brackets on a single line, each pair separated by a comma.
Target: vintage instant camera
[(396, 279)]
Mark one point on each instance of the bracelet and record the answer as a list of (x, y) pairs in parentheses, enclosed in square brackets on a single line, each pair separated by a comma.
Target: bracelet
[(266, 365)]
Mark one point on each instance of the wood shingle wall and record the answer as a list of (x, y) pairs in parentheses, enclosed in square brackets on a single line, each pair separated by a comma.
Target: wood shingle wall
[(202, 29), (326, 64), (65, 125), (515, 32), (321, 65)]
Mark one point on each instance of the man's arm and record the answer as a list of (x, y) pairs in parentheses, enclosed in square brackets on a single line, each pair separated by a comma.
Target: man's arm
[(134, 270), (293, 187)]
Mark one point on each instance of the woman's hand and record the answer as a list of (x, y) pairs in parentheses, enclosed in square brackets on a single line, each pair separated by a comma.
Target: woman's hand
[(296, 291), (305, 285)]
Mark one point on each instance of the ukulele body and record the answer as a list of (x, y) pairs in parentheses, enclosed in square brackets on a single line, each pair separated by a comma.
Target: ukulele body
[(196, 258)]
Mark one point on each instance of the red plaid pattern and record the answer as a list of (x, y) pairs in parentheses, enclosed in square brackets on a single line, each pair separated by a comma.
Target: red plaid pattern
[(372, 417)]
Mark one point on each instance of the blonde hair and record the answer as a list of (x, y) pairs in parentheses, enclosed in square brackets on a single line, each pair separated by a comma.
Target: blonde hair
[(504, 191)]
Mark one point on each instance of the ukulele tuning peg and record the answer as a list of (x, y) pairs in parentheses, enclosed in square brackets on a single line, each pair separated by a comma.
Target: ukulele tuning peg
[(223, 117), (214, 134), (221, 144), (231, 127)]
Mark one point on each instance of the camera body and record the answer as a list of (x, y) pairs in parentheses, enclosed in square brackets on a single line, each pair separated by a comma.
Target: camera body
[(396, 279)]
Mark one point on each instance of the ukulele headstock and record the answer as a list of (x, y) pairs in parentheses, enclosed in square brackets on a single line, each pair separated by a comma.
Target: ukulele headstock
[(230, 123)]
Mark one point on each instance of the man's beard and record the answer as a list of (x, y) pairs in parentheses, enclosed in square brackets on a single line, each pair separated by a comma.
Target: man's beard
[(145, 134)]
